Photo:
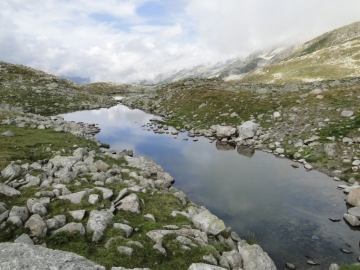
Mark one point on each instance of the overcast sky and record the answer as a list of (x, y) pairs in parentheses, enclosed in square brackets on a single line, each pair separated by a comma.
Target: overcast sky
[(129, 40)]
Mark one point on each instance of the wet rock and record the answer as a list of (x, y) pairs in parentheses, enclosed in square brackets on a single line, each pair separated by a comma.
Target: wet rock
[(353, 220), (355, 211), (22, 256)]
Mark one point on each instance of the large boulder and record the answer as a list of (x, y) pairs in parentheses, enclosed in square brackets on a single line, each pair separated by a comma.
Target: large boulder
[(247, 130), (354, 197), (255, 258), (225, 131), (208, 223), (8, 191), (143, 163), (130, 203), (22, 256), (10, 172), (36, 225), (98, 221)]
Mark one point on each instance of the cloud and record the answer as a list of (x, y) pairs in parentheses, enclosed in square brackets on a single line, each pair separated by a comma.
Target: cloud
[(130, 40)]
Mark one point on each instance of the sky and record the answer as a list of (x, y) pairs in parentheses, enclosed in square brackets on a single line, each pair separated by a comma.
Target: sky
[(126, 41)]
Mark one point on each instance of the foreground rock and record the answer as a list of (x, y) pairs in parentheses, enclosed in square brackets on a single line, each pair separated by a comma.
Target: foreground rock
[(21, 256)]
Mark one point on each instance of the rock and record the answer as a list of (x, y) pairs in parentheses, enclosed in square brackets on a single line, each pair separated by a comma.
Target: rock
[(290, 266), (21, 212), (354, 197), (334, 266), (8, 191), (353, 220), (356, 162), (315, 91), (255, 258), (101, 166), (74, 198), (130, 203), (81, 153), (15, 220), (99, 177), (36, 225), (234, 259), (56, 222), (10, 172), (77, 214), (276, 115), (225, 131), (330, 149), (160, 248), (210, 259), (8, 133), (71, 227), (307, 166), (4, 216), (203, 266), (22, 256), (143, 163), (299, 143), (355, 211), (97, 223), (125, 251), (150, 217), (126, 228), (39, 208), (208, 223), (107, 193), (247, 130), (94, 198), (280, 150), (24, 239), (347, 113)]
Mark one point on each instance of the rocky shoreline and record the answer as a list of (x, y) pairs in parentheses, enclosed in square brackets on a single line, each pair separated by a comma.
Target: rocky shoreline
[(99, 188)]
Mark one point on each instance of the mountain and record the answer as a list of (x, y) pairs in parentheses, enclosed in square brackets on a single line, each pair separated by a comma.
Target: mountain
[(333, 55), (228, 70)]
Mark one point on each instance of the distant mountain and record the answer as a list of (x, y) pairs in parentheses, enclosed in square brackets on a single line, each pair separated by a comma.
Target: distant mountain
[(333, 55), (228, 70)]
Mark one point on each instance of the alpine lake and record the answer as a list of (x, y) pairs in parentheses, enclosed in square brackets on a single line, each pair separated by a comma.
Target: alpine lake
[(260, 196)]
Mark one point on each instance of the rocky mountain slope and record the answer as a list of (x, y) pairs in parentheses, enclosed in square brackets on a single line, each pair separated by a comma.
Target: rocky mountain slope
[(333, 55), (228, 70)]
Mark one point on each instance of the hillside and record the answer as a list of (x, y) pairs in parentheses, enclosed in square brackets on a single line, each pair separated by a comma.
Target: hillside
[(333, 55)]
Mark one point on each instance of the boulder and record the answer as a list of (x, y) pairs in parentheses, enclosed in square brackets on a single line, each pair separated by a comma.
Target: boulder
[(97, 223), (21, 212), (22, 256), (71, 227), (354, 197), (10, 172), (208, 223), (255, 258), (330, 149), (75, 198), (8, 133), (347, 113), (225, 131), (130, 203), (8, 191), (77, 214), (143, 163), (24, 239), (203, 266), (36, 225), (355, 211), (247, 130), (353, 220), (126, 228)]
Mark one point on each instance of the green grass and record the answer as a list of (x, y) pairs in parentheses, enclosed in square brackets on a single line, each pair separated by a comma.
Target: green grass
[(350, 267)]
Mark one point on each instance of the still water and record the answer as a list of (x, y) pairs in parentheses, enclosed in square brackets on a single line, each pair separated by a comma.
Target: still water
[(287, 209)]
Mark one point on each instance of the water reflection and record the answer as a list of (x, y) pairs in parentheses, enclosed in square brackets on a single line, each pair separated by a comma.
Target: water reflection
[(287, 209)]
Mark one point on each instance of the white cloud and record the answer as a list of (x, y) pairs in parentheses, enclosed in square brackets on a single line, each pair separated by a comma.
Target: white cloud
[(110, 41)]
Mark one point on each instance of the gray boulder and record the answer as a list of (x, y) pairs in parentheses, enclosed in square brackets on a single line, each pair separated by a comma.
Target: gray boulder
[(347, 113), (77, 214), (39, 208), (8, 133), (71, 227), (143, 163), (208, 223), (330, 149), (203, 266), (225, 131), (75, 198), (24, 239), (126, 228), (37, 226), (354, 197), (8, 191), (130, 203), (21, 212), (353, 220), (97, 223), (255, 258), (22, 256), (10, 172), (247, 130)]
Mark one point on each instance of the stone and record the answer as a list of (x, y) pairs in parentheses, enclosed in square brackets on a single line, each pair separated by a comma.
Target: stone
[(39, 208), (355, 211), (280, 150), (21, 212), (143, 163), (36, 225), (16, 221), (23, 256), (208, 223), (203, 266), (8, 133), (184, 240), (276, 115), (126, 228), (4, 216), (56, 222), (94, 198), (160, 248), (8, 191), (334, 266), (33, 181), (330, 149), (210, 259), (247, 130), (101, 166), (71, 227), (97, 223), (127, 251), (353, 220), (24, 239), (225, 131), (130, 203), (10, 172), (77, 214), (347, 113), (354, 197), (81, 153), (255, 258), (150, 217), (290, 266), (307, 166), (356, 162), (107, 193), (101, 176), (234, 259), (74, 198)]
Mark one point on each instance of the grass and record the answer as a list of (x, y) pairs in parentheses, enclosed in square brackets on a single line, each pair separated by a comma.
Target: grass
[(28, 145), (251, 238), (349, 267)]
